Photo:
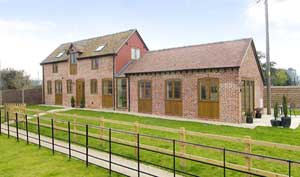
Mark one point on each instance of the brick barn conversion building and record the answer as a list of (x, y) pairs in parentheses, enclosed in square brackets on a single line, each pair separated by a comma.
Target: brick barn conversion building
[(216, 81)]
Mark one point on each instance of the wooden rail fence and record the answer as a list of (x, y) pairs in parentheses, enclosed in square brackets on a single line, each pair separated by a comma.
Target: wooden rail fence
[(247, 141)]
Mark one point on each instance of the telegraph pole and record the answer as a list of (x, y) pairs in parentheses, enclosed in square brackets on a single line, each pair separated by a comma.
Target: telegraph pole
[(268, 59)]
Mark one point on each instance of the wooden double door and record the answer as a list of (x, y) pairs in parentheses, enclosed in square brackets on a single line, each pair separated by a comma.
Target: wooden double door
[(208, 101), (58, 92)]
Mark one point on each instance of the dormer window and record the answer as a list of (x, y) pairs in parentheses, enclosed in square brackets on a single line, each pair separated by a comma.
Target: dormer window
[(73, 58), (99, 48), (135, 53)]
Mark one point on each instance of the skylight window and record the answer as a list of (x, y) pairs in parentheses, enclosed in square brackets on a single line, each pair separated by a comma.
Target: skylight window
[(60, 54), (99, 48)]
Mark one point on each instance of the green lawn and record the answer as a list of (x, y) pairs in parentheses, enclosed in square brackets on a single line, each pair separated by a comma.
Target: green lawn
[(278, 135), (21, 160), (41, 108)]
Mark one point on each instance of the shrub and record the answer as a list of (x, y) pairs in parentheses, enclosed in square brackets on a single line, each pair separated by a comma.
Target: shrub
[(72, 101), (82, 103), (284, 106), (276, 111)]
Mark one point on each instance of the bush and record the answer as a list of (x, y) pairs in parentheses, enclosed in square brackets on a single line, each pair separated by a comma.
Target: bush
[(276, 111), (284, 106), (82, 103), (73, 101)]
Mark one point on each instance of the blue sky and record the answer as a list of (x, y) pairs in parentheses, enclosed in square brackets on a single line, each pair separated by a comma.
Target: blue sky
[(30, 30)]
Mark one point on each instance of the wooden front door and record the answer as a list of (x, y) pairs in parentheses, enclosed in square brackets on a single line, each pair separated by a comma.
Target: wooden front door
[(145, 96), (58, 92), (208, 104), (107, 98), (173, 104), (80, 89)]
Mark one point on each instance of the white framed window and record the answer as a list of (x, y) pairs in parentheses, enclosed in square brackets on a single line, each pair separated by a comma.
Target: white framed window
[(135, 53)]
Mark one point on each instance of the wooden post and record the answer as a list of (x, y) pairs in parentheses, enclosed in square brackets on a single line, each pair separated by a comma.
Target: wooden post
[(136, 130), (182, 146), (75, 128), (248, 144), (101, 130)]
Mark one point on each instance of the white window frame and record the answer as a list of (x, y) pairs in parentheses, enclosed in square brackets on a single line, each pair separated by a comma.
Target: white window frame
[(135, 53)]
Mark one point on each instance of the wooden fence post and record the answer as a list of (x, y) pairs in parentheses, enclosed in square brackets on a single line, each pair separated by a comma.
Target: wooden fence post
[(136, 130), (182, 146), (101, 130), (75, 128), (248, 144)]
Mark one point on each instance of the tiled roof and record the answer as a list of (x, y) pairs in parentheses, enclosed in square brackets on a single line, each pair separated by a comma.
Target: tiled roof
[(112, 43), (204, 56)]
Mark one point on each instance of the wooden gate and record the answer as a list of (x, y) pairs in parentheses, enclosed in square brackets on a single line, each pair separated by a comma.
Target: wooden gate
[(58, 92), (80, 89), (208, 93), (145, 96), (107, 99)]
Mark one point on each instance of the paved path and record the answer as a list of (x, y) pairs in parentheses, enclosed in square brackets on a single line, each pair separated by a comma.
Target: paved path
[(79, 151)]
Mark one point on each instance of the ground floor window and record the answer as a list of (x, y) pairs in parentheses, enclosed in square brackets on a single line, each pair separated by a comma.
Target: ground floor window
[(145, 89), (247, 96), (69, 86), (94, 86), (107, 87), (122, 93), (209, 89), (173, 89), (49, 87)]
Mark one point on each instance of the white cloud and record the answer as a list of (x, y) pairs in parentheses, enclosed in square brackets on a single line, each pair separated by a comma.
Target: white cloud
[(284, 17), (21, 47)]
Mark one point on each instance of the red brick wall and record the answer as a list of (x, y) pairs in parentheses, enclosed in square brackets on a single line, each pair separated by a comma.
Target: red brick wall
[(249, 70), (124, 55), (229, 93), (85, 72)]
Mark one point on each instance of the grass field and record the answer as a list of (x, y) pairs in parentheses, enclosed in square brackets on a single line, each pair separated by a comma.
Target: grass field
[(279, 135), (21, 160)]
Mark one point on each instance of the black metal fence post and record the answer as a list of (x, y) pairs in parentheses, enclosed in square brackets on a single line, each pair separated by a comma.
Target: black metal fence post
[(138, 153), (7, 118), (69, 138), (87, 145), (17, 126), (26, 125), (52, 136), (39, 131), (174, 157), (290, 173), (224, 161), (109, 140)]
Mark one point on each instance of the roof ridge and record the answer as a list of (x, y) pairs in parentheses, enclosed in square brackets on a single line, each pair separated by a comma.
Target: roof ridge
[(91, 38), (197, 45)]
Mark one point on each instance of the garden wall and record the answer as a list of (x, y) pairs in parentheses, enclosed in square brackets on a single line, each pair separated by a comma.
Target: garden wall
[(292, 93), (28, 96)]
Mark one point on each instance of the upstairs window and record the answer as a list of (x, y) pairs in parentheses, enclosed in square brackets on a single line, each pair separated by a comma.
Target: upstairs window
[(73, 58), (94, 87), (99, 48), (60, 54), (55, 68), (95, 63), (135, 53)]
